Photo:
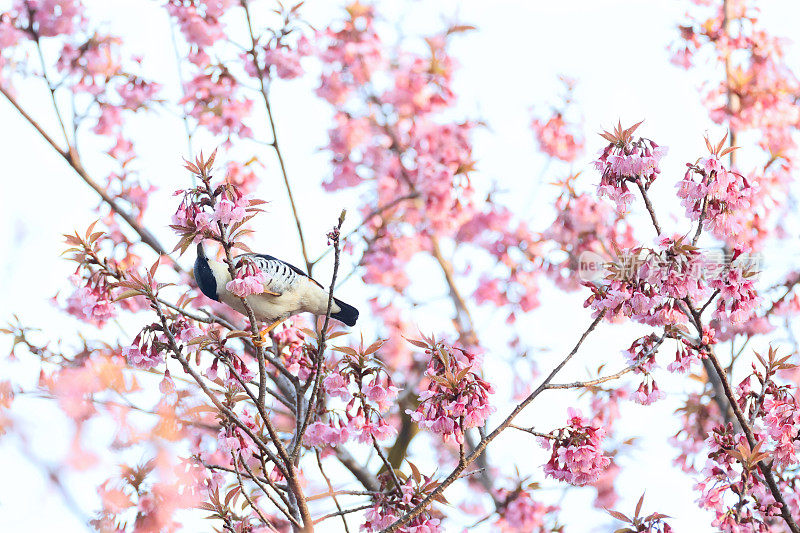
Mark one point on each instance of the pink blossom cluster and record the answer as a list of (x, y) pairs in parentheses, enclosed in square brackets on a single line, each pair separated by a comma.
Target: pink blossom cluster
[(242, 176), (738, 299), (635, 299), (191, 217), (10, 35), (389, 505), (360, 381), (200, 213), (334, 432), (752, 98), (92, 301), (583, 224), (648, 391), (229, 212), (279, 59), (740, 499), (688, 352), (423, 84), (53, 17), (677, 269), (352, 54), (441, 171), (294, 351), (717, 195), (236, 368), (625, 161), (456, 397), (200, 21), (519, 512), (92, 63), (577, 455), (782, 420), (605, 406), (249, 279), (648, 285), (701, 416), (557, 138), (416, 160), (185, 331), (607, 496), (642, 355), (511, 243), (234, 440), (214, 99), (145, 352)]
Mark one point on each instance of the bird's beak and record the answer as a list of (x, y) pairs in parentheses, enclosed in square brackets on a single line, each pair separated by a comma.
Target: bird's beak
[(200, 252)]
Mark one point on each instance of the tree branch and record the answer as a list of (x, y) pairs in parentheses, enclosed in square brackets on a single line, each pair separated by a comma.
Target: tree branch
[(455, 474)]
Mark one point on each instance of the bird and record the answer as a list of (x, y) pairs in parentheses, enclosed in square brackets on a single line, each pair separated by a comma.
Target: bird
[(287, 292)]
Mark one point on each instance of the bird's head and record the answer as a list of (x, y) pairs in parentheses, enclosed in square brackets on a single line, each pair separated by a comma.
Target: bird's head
[(210, 275)]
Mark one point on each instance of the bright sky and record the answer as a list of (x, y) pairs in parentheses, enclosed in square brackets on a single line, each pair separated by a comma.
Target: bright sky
[(616, 50)]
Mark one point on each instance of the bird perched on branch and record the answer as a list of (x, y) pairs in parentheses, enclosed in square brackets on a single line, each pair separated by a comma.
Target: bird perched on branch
[(286, 290)]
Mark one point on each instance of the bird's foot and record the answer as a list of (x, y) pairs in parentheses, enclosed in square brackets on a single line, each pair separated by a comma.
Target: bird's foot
[(265, 332)]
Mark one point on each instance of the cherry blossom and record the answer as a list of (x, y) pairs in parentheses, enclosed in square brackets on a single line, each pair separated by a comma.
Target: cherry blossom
[(627, 161), (249, 280), (456, 398), (577, 456), (521, 512)]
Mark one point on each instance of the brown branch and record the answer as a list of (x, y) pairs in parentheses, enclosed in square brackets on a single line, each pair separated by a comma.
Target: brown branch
[(465, 324), (364, 476), (342, 513), (592, 382), (252, 504), (74, 161), (455, 474), (649, 207), (766, 469)]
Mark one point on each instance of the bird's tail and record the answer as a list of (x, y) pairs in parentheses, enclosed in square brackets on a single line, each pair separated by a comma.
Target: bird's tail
[(347, 314)]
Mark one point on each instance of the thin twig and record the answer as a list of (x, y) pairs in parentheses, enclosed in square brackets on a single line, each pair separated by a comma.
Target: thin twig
[(649, 207), (265, 94), (332, 493), (319, 357), (253, 506), (346, 511)]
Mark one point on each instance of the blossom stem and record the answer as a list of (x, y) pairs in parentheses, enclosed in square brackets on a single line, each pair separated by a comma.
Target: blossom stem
[(389, 466), (649, 207)]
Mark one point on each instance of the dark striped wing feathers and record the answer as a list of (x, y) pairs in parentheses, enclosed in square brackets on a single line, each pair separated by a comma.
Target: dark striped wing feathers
[(281, 272)]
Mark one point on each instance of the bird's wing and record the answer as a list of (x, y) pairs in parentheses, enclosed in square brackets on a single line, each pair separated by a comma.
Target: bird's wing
[(294, 269), (282, 275)]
